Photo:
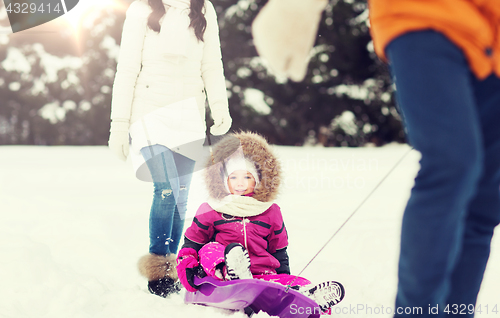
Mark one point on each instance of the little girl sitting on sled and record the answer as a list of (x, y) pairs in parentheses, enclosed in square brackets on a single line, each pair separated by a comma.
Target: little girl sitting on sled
[(240, 233)]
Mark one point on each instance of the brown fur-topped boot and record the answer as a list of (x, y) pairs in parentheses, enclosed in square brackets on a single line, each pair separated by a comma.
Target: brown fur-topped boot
[(160, 270)]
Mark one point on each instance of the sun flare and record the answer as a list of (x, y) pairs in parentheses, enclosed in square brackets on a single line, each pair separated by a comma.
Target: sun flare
[(87, 10)]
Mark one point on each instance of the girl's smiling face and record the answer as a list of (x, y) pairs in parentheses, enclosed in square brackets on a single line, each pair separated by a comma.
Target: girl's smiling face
[(241, 182)]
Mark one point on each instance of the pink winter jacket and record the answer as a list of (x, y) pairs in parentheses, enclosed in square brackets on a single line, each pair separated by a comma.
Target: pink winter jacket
[(262, 235)]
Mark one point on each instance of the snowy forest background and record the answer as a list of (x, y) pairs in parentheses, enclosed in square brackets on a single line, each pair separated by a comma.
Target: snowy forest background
[(56, 79)]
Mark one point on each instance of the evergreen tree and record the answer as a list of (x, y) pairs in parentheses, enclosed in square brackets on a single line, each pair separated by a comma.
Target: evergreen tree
[(73, 109), (345, 99)]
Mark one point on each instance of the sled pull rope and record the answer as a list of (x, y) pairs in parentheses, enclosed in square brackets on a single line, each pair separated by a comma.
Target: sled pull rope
[(350, 216)]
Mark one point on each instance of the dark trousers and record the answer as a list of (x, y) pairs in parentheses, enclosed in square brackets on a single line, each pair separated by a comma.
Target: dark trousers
[(453, 120)]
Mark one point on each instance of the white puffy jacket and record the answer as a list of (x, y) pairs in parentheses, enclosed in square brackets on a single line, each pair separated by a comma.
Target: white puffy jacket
[(146, 80)]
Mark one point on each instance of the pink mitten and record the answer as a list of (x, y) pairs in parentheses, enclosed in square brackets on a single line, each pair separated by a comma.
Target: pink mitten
[(187, 263)]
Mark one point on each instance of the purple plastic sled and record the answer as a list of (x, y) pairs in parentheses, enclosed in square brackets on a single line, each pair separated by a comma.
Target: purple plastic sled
[(270, 297)]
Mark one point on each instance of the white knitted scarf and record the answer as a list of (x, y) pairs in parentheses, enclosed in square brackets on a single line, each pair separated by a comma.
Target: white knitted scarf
[(239, 205), (174, 32)]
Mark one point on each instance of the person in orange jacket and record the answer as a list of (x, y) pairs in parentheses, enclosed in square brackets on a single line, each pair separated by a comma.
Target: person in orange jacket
[(444, 56)]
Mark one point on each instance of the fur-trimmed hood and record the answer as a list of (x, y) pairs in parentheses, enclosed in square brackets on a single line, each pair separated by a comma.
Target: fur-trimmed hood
[(256, 149)]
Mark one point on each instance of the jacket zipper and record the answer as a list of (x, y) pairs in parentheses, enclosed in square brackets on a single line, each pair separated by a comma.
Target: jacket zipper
[(245, 232)]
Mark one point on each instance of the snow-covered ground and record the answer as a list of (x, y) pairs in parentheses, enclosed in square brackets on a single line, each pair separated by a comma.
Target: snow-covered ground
[(74, 221)]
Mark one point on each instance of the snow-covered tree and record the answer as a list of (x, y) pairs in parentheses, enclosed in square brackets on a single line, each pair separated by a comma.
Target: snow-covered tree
[(346, 85)]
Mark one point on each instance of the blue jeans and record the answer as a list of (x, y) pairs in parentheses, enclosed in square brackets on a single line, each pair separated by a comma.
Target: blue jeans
[(452, 119), (171, 173)]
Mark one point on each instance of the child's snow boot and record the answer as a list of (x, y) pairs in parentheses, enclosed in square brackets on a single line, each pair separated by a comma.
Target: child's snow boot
[(237, 262), (327, 294), (160, 270)]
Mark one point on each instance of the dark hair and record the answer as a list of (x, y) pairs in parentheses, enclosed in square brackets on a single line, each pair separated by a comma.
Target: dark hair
[(198, 21)]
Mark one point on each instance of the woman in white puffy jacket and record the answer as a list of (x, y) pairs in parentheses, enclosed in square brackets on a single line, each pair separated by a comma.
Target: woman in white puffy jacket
[(169, 62)]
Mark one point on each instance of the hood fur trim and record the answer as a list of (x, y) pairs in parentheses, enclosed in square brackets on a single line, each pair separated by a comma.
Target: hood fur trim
[(256, 149)]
